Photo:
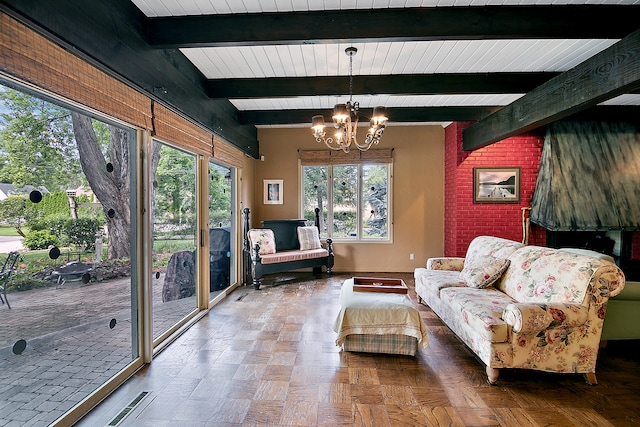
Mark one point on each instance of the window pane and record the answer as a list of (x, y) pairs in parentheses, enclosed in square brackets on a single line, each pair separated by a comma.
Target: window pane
[(315, 179), (345, 201), (374, 201), (72, 316), (174, 243)]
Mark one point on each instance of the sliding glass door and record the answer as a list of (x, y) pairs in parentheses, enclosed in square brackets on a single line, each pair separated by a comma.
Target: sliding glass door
[(174, 222), (221, 229)]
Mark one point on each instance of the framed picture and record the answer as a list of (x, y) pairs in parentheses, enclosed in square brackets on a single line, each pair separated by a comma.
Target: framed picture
[(496, 185), (272, 191)]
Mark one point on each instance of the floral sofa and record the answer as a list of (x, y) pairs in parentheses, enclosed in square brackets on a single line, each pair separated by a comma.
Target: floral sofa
[(519, 306)]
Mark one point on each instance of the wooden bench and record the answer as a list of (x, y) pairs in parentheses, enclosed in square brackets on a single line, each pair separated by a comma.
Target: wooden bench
[(288, 255)]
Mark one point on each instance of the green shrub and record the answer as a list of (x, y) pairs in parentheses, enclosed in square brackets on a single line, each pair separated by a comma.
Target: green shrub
[(39, 239), (52, 204), (56, 224), (82, 232)]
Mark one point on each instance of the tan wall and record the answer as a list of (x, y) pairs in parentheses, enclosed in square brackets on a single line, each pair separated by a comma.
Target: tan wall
[(418, 195)]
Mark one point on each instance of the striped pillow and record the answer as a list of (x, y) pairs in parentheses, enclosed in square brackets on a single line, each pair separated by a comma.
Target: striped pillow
[(309, 238)]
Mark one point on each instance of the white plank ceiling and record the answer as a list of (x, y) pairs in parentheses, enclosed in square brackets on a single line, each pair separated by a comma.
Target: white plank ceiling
[(379, 58)]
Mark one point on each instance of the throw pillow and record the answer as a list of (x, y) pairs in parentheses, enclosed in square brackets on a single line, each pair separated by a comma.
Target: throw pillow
[(483, 271), (265, 238), (309, 238)]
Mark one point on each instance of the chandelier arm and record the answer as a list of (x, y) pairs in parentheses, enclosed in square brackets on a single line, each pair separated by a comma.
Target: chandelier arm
[(328, 142)]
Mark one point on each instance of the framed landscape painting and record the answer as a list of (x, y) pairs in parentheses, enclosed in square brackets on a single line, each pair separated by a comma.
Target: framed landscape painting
[(496, 185)]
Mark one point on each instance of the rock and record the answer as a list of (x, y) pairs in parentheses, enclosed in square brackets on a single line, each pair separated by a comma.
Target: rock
[(180, 277)]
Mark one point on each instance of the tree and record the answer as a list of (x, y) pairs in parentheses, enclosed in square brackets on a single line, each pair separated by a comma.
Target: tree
[(112, 189), (12, 210), (36, 143), (219, 196), (175, 183)]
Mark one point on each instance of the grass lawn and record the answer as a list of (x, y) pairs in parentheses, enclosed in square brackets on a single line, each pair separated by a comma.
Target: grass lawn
[(7, 230)]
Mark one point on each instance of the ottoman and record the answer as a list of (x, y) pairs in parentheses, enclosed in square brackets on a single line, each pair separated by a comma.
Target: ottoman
[(376, 322)]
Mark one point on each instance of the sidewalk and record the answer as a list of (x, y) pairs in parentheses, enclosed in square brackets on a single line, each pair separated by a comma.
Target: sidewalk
[(10, 243)]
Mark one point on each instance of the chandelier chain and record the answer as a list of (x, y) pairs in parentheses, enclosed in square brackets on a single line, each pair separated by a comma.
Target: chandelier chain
[(350, 78)]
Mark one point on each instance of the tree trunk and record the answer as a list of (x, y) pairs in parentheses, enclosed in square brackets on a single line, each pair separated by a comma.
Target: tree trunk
[(19, 231), (111, 189)]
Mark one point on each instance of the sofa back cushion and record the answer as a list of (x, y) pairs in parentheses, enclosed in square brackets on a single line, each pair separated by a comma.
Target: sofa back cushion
[(490, 246), (544, 275)]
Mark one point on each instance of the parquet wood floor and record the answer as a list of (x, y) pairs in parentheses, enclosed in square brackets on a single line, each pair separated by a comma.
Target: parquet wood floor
[(268, 358)]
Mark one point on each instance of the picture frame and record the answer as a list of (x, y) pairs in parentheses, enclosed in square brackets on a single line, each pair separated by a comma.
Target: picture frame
[(496, 185), (273, 191)]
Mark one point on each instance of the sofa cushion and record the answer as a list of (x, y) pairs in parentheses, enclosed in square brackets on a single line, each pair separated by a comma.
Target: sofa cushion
[(483, 271), (480, 309), (445, 263), (309, 238), (265, 238), (545, 275), (489, 245)]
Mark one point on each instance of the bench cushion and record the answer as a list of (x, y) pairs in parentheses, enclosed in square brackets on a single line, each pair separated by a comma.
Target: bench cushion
[(286, 256)]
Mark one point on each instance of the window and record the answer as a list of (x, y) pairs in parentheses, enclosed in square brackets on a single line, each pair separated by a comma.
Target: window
[(352, 192)]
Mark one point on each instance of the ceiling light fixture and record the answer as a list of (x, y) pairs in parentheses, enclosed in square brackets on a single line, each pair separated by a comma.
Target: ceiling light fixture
[(345, 119)]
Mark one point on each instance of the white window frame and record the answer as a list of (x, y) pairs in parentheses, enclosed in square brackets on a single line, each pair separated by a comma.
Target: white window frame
[(359, 238)]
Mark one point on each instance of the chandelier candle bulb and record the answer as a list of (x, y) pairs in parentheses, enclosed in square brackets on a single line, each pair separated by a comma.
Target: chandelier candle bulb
[(317, 124)]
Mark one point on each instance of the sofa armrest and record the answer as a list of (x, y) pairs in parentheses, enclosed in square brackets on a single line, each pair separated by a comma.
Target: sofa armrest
[(445, 263), (531, 317)]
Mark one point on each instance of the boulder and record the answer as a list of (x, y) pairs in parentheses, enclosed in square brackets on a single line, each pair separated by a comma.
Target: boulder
[(180, 277)]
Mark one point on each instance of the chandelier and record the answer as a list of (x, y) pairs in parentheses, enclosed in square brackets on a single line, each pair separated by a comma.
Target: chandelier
[(345, 120)]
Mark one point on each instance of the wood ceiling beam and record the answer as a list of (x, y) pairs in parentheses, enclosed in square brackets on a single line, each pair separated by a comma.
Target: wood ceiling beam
[(625, 113), (406, 84), (611, 72), (395, 24), (398, 115)]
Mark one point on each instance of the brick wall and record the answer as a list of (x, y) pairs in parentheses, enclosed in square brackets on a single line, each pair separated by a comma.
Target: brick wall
[(464, 219)]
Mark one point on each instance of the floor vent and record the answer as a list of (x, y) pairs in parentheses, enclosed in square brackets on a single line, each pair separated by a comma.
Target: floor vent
[(130, 407)]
